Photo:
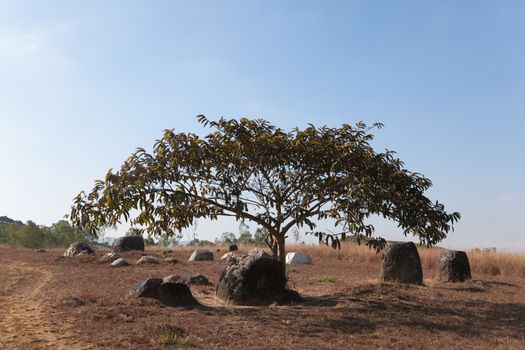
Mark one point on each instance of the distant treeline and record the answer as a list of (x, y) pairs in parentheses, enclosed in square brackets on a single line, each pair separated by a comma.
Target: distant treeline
[(31, 235)]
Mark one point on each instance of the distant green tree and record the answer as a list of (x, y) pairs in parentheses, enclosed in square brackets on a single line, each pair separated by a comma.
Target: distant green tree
[(259, 237), (227, 238), (4, 238), (167, 241), (295, 234), (200, 243), (29, 235), (246, 238), (62, 233), (4, 220), (133, 231)]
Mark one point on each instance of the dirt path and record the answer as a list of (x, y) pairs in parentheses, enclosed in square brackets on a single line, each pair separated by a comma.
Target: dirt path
[(22, 321)]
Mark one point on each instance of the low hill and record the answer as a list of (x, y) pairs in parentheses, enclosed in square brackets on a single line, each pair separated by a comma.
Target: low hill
[(4, 220)]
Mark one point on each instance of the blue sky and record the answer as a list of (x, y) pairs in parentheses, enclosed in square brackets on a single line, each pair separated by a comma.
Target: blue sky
[(83, 83)]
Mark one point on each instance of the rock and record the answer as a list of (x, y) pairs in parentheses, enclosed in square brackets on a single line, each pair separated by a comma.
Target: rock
[(172, 278), (148, 288), (78, 248), (41, 251), (233, 247), (453, 266), (258, 252), (401, 264), (294, 258), (171, 293), (171, 260), (201, 255), (120, 262), (198, 280), (252, 280), (148, 260), (175, 294), (195, 279), (73, 301), (127, 243), (110, 257), (228, 256)]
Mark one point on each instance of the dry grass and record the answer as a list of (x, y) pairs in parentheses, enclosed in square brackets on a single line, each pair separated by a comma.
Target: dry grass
[(481, 262), (492, 263), (345, 305)]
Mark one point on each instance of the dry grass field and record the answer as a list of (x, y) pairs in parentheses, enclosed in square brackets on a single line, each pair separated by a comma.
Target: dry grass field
[(48, 302)]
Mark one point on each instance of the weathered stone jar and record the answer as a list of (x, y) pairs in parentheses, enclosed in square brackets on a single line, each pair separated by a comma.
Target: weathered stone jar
[(127, 243), (252, 280), (401, 264), (453, 266)]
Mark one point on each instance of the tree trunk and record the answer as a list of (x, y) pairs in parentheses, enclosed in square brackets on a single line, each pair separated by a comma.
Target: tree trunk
[(282, 252)]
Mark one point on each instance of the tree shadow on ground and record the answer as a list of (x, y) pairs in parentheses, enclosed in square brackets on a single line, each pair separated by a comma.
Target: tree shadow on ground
[(370, 307), (461, 317)]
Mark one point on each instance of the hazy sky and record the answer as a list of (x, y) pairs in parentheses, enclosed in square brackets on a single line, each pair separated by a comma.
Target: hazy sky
[(83, 83)]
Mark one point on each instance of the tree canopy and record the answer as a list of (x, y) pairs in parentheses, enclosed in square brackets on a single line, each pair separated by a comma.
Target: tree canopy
[(31, 235), (252, 170)]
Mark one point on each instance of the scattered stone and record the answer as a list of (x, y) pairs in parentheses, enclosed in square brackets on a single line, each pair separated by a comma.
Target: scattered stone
[(254, 280), (198, 280), (295, 258), (228, 256), (73, 301), (148, 288), (453, 266), (258, 252), (148, 260), (195, 279), (233, 247), (401, 264), (110, 257), (78, 248), (171, 293), (175, 294), (120, 262), (127, 243), (201, 255), (171, 260), (172, 278)]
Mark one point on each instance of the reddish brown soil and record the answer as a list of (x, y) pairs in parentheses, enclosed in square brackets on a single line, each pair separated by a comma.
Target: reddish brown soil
[(345, 308)]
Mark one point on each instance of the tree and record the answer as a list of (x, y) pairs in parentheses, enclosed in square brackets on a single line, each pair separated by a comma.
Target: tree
[(245, 237), (259, 236), (227, 238), (133, 231), (251, 170), (167, 241), (31, 235)]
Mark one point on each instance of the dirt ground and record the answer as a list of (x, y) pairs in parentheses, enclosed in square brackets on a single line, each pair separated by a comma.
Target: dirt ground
[(49, 302)]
